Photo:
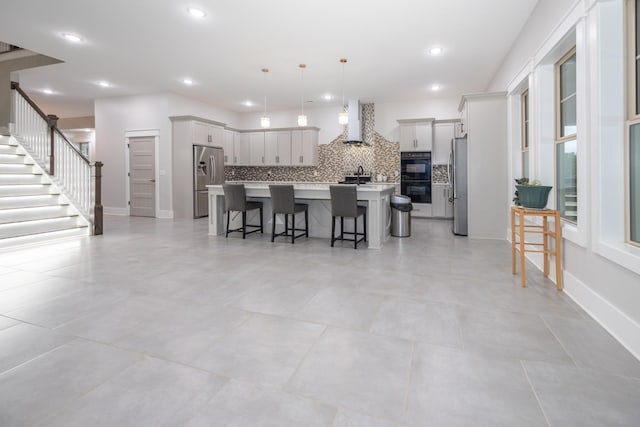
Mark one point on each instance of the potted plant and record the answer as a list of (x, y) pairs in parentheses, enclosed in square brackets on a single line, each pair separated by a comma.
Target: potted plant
[(531, 194)]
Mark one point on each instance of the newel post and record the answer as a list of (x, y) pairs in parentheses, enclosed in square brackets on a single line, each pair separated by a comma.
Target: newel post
[(97, 191), (53, 122)]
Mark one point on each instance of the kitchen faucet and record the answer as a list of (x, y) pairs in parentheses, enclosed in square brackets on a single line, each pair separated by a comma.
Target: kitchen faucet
[(359, 172)]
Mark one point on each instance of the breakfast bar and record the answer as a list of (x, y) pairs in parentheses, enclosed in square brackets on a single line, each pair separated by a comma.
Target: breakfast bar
[(376, 197)]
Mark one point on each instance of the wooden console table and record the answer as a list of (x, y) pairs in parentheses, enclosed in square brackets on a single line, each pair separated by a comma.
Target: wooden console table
[(518, 243)]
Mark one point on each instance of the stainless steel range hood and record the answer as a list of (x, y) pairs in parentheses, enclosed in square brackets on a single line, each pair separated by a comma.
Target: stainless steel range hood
[(354, 127)]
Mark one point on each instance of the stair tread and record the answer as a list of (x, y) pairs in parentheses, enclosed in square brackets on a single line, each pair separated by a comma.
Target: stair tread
[(44, 233), (43, 205), (24, 221)]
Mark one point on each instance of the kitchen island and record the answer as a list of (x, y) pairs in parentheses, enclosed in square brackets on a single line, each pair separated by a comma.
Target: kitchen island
[(376, 197)]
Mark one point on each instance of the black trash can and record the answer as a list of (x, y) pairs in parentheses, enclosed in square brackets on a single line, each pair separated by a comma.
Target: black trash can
[(401, 216)]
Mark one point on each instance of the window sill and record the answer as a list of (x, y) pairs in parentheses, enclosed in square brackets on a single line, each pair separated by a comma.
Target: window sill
[(623, 254), (572, 233)]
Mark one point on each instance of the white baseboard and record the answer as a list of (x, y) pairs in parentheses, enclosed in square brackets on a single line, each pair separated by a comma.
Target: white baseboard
[(115, 211), (618, 324), (165, 214)]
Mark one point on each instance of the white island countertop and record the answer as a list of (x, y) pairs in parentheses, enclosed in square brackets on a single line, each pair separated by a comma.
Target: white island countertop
[(376, 195)]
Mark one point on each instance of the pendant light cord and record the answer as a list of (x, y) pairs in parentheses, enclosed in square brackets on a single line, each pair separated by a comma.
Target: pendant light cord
[(302, 67), (343, 61), (265, 71)]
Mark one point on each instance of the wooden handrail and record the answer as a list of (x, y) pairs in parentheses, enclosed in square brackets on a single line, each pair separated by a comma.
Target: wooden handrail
[(73, 146), (16, 86), (51, 120)]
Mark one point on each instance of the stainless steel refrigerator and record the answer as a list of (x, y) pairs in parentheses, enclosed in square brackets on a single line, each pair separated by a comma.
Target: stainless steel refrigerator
[(458, 181), (208, 169)]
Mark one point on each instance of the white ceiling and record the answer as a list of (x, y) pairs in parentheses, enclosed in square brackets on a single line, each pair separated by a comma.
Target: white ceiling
[(144, 46)]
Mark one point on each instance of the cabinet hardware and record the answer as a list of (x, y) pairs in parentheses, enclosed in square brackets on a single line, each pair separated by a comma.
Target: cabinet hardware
[(262, 159), (235, 159), (301, 159), (277, 159), (226, 158)]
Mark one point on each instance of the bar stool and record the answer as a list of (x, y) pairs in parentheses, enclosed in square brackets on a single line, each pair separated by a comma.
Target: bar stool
[(283, 202), (235, 199), (344, 203)]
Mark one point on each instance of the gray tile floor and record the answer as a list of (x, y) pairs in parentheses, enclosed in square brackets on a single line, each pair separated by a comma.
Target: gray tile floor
[(157, 324)]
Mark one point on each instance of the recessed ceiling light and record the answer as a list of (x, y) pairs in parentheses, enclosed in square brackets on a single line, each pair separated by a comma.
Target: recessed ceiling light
[(47, 91), (187, 81), (87, 130), (104, 84), (248, 104), (436, 87), (74, 38), (436, 50), (327, 97), (196, 13)]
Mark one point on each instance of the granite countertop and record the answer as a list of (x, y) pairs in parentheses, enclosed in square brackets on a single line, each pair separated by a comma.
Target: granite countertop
[(375, 186)]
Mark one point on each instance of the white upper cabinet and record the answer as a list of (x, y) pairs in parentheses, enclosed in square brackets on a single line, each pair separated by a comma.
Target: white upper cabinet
[(277, 148), (416, 135), (304, 148), (216, 135), (241, 149), (200, 133), (256, 149), (443, 133), (228, 137), (207, 134)]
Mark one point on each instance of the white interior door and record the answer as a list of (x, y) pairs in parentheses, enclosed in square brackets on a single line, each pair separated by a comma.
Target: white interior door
[(142, 174)]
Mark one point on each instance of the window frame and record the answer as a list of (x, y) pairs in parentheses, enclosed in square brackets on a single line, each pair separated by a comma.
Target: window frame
[(633, 110), (524, 126), (558, 137)]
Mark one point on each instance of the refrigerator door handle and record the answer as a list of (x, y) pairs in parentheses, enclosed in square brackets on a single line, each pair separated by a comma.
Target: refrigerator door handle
[(212, 177)]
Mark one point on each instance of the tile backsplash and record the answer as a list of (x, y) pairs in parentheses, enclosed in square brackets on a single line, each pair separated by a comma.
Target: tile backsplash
[(440, 174), (334, 159)]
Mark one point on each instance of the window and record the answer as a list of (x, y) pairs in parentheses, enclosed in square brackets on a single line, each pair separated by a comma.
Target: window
[(633, 150), (525, 133), (566, 133)]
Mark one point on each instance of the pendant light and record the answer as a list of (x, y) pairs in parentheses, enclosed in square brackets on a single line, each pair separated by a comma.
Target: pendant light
[(302, 119), (343, 118), (265, 122)]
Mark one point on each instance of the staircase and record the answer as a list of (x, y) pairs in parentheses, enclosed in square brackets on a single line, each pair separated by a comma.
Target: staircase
[(32, 208)]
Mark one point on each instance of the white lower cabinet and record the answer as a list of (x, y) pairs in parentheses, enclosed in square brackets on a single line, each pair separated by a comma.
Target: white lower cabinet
[(441, 207), (422, 210)]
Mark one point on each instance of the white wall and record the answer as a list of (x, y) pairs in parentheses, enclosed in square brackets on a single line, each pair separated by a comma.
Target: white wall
[(183, 106), (388, 113), (601, 271), (324, 118), (543, 19), (115, 116)]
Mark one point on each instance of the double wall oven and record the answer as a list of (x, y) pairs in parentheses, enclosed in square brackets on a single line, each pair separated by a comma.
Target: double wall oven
[(415, 175)]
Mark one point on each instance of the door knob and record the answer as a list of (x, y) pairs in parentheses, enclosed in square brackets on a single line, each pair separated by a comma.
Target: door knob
[(152, 180)]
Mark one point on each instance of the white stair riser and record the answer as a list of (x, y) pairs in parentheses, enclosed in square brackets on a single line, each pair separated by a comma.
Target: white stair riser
[(26, 228), (19, 190), (20, 179), (12, 159), (28, 214), (29, 201), (8, 149), (43, 237), (17, 168)]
